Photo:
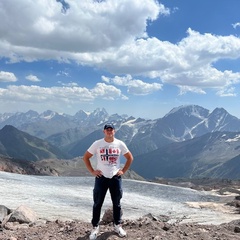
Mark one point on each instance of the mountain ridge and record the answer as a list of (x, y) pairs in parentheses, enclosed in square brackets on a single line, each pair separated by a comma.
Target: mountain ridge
[(204, 156), (143, 137), (18, 144)]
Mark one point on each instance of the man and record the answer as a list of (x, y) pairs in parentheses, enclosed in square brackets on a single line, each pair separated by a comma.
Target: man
[(107, 176)]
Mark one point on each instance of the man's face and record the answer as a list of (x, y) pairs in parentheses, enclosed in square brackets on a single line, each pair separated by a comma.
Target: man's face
[(109, 131)]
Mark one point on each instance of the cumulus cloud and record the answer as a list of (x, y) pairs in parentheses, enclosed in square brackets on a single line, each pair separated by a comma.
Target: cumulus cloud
[(7, 77), (135, 86), (66, 94), (190, 63), (111, 35), (84, 26), (33, 78), (108, 92)]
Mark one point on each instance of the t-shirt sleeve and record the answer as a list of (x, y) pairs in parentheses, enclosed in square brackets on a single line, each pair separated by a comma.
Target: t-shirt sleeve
[(124, 148)]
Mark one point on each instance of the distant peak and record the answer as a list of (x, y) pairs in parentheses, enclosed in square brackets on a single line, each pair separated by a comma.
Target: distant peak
[(48, 114), (187, 108), (217, 110), (9, 127)]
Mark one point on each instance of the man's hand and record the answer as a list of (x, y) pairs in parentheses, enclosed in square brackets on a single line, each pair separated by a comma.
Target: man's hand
[(120, 172), (97, 173)]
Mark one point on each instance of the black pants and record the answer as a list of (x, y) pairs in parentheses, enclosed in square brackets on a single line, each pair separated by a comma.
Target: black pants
[(102, 184)]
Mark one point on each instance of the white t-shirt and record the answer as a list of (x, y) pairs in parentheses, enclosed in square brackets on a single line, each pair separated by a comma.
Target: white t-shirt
[(108, 155)]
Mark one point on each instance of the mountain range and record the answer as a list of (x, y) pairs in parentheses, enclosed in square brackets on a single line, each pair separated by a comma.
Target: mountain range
[(213, 155), (21, 145), (189, 141)]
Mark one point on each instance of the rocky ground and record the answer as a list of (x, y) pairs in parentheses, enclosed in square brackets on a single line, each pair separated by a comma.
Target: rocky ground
[(144, 228)]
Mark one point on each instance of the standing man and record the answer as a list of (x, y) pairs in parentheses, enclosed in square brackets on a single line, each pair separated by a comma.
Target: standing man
[(107, 176)]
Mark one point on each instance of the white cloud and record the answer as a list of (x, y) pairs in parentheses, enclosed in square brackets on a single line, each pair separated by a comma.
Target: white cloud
[(66, 94), (70, 84), (235, 25), (111, 35), (86, 25), (33, 78), (135, 86), (185, 89), (7, 77), (63, 73), (108, 92), (190, 63), (227, 92)]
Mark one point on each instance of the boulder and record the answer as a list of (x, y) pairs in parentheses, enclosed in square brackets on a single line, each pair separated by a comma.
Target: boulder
[(4, 211), (22, 214), (108, 215)]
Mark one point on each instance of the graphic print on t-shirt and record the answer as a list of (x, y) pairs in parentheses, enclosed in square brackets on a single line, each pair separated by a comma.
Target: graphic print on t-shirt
[(109, 155)]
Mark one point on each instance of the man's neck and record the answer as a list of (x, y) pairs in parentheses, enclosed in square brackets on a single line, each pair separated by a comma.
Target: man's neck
[(109, 139)]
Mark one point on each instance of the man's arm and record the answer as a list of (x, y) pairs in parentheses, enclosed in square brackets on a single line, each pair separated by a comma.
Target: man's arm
[(129, 159), (86, 159)]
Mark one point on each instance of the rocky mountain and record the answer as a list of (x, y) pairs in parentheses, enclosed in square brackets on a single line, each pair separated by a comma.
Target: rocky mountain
[(52, 167), (70, 132), (213, 155), (229, 169), (20, 145), (58, 128), (125, 131), (20, 166), (147, 139), (180, 124)]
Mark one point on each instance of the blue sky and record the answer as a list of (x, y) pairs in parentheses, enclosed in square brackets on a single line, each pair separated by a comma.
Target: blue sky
[(135, 57)]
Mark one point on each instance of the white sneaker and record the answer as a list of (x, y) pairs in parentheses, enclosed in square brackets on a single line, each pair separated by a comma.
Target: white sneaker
[(94, 233), (118, 229)]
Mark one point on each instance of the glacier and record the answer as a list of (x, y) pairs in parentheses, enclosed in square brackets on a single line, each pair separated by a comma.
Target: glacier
[(70, 198)]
